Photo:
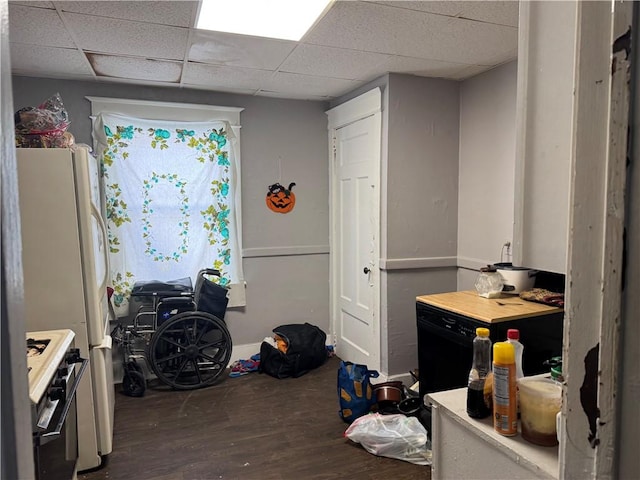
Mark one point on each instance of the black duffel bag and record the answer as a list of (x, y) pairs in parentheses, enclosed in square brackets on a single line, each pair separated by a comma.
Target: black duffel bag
[(306, 350)]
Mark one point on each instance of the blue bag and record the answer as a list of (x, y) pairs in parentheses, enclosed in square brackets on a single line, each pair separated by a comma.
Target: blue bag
[(354, 390)]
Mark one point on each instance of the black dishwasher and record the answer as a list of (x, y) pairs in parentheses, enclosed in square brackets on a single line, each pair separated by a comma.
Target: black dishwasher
[(445, 344)]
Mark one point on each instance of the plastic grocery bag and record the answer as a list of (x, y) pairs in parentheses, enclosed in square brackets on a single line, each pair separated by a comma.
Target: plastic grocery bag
[(394, 436), (44, 126)]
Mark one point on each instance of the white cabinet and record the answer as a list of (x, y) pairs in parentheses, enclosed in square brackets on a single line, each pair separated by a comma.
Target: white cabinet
[(464, 447), (546, 57)]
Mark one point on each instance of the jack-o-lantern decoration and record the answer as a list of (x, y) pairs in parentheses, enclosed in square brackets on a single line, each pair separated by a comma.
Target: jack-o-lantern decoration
[(280, 199)]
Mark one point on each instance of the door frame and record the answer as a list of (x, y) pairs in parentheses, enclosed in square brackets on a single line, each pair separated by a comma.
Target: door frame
[(16, 457), (366, 105), (595, 317)]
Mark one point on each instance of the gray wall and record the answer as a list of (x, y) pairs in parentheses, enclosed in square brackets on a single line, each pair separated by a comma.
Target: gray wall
[(487, 165), (287, 280), (422, 168), (448, 178), (401, 287), (420, 203)]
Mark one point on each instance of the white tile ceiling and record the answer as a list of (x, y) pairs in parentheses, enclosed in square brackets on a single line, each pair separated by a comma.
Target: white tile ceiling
[(154, 43)]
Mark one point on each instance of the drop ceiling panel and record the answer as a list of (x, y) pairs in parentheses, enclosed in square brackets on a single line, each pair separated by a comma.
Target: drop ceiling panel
[(237, 91), (238, 50), (135, 68), (41, 4), (292, 96), (468, 72), (358, 26), (111, 35), (131, 81), (178, 13), (215, 76), (146, 42), (334, 62), (305, 84), (37, 26), (427, 68), (47, 61), (497, 12)]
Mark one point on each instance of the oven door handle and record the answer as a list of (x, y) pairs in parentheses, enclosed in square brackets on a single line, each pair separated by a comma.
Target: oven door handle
[(47, 437)]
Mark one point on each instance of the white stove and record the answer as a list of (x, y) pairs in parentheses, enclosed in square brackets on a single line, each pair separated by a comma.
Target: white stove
[(45, 351), (53, 382)]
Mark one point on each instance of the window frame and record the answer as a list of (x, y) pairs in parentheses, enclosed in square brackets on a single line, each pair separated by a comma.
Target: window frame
[(184, 112)]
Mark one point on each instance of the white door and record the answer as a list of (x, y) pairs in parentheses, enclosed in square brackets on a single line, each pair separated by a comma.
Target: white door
[(355, 230)]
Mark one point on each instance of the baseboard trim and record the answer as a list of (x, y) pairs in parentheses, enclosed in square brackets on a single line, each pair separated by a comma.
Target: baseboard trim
[(244, 352)]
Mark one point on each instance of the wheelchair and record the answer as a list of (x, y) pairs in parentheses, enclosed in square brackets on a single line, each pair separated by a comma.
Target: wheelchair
[(179, 332)]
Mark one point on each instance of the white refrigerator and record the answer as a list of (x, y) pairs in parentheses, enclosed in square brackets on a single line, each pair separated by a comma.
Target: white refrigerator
[(65, 262)]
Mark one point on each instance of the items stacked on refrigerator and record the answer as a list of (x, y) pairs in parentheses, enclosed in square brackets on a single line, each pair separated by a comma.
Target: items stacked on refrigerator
[(44, 126)]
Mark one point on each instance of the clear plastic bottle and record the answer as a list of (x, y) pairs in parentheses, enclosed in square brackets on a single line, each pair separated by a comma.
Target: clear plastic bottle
[(480, 381), (513, 337)]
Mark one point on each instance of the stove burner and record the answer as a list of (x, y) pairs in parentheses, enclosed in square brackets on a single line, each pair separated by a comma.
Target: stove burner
[(36, 347)]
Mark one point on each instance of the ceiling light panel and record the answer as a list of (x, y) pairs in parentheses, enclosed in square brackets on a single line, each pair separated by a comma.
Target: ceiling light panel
[(283, 19)]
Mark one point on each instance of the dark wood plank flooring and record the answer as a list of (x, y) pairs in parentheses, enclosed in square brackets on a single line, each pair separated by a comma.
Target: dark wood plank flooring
[(250, 427)]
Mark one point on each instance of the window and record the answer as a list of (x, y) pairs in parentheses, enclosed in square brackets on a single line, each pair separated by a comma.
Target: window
[(171, 192)]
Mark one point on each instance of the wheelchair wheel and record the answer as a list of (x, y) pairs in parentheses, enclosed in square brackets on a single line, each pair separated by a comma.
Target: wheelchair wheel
[(191, 350), (133, 381)]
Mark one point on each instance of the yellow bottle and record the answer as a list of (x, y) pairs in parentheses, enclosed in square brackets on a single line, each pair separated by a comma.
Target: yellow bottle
[(505, 413)]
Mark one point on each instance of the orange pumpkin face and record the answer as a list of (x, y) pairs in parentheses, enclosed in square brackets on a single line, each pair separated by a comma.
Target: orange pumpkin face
[(280, 199)]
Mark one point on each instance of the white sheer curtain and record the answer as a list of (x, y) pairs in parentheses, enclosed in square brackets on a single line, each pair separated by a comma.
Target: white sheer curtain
[(170, 192)]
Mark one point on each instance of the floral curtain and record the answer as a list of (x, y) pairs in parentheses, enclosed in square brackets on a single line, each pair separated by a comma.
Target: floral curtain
[(170, 192)]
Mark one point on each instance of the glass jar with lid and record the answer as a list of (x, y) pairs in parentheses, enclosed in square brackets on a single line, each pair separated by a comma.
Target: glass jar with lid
[(489, 283)]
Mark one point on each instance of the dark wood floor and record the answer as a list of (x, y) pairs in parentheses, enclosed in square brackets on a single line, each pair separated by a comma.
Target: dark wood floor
[(250, 427)]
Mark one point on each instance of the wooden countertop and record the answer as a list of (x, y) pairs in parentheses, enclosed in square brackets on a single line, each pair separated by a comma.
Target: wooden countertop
[(490, 310)]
